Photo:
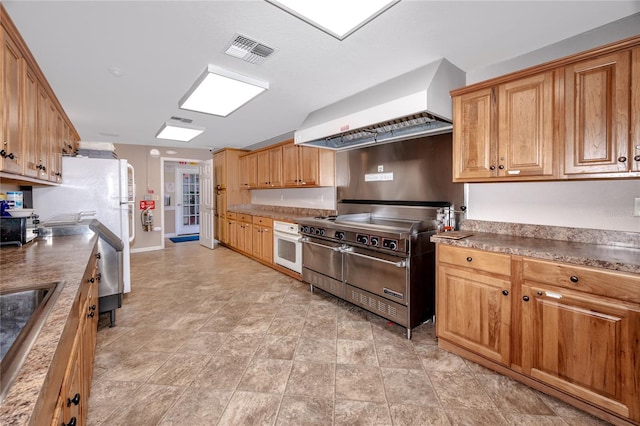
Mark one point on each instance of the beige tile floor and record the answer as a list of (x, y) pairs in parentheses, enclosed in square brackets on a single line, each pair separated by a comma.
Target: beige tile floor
[(210, 337)]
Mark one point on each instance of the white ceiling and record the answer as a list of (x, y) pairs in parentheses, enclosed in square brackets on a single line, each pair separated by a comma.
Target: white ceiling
[(161, 47)]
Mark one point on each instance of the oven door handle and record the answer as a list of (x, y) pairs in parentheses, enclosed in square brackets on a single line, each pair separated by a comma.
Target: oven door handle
[(308, 241), (399, 264)]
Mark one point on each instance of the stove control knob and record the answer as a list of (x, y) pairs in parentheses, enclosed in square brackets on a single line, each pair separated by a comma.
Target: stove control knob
[(390, 244), (321, 232), (312, 230), (304, 229), (375, 241), (340, 235), (362, 239)]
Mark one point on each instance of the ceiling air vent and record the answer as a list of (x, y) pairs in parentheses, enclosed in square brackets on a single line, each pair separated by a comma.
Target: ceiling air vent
[(242, 47), (184, 120)]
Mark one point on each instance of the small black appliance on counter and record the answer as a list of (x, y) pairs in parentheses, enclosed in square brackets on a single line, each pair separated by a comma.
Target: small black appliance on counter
[(18, 230)]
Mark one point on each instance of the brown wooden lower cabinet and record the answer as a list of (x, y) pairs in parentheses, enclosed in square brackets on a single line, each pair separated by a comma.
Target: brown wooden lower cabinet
[(73, 395), (570, 331)]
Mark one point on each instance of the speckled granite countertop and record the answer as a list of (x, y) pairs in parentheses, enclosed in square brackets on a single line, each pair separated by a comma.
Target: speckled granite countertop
[(44, 260), (617, 251), (278, 213)]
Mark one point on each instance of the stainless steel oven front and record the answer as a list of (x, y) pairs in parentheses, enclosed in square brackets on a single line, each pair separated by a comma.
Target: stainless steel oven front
[(287, 248)]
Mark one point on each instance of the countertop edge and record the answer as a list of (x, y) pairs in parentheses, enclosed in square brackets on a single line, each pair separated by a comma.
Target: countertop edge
[(554, 250)]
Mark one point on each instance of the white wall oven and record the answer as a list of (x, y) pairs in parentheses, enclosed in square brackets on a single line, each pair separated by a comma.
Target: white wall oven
[(287, 248)]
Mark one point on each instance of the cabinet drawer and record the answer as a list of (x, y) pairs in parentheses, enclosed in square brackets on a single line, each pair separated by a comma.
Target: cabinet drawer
[(477, 259), (264, 221), (232, 215), (244, 217), (617, 285)]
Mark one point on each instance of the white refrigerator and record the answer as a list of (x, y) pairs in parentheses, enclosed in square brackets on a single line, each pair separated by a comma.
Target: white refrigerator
[(103, 186)]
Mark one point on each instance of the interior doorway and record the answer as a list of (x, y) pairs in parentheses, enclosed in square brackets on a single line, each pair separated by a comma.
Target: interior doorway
[(187, 212), (173, 194)]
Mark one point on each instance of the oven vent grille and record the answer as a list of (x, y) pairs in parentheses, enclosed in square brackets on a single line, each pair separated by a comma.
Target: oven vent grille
[(378, 306)]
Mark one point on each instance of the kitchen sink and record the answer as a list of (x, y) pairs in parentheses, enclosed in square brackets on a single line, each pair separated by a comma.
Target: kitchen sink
[(23, 312)]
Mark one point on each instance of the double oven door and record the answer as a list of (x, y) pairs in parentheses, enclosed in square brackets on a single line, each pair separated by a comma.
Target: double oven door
[(375, 272)]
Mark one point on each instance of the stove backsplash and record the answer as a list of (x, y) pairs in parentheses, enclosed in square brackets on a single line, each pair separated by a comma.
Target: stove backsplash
[(412, 170)]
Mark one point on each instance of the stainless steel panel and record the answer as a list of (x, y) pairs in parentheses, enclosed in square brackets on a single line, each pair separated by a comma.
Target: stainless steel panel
[(422, 171), (376, 304), (323, 282), (322, 256), (386, 276)]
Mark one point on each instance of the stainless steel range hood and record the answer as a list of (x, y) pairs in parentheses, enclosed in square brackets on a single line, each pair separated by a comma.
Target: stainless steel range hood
[(408, 106)]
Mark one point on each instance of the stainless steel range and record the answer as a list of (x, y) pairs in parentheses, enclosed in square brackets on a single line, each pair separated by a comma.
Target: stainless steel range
[(382, 260), (376, 252)]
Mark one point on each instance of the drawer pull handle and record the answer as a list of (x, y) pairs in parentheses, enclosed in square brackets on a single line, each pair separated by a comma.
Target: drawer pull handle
[(469, 259), (573, 279), (525, 298), (505, 292), (74, 401)]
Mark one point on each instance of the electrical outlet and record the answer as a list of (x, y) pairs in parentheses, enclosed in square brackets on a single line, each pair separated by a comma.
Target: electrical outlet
[(636, 206)]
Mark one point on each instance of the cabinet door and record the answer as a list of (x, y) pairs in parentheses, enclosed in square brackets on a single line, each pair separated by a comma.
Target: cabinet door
[(635, 109), (525, 137), (31, 146), (290, 165), (252, 170), (11, 80), (266, 252), (308, 168), (474, 135), (275, 167), (263, 172), (597, 115), (52, 137), (474, 312), (42, 134), (232, 232), (220, 169), (583, 345), (257, 242)]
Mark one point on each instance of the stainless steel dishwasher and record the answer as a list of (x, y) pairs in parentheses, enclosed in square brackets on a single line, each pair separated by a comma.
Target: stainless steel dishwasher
[(110, 261)]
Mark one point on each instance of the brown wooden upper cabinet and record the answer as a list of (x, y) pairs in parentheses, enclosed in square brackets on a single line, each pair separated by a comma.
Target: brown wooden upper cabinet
[(300, 165), (576, 117), (597, 105), (35, 130), (249, 171), (270, 168), (11, 158), (505, 132)]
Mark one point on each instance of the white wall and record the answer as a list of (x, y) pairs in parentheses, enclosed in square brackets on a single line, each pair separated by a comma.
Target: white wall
[(309, 198), (585, 204), (597, 204)]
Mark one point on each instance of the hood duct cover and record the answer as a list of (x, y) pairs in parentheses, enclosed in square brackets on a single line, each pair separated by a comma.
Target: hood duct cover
[(408, 106)]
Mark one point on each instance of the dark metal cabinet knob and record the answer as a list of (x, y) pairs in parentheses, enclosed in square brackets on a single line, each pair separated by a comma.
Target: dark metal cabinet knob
[(501, 167), (98, 255), (469, 259), (74, 401), (492, 167), (636, 158), (72, 422), (92, 280), (93, 307), (505, 292), (525, 298), (11, 157), (622, 159), (573, 279), (91, 314)]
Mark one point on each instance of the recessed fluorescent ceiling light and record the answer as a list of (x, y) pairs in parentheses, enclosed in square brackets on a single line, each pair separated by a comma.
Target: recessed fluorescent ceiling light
[(220, 92), (180, 133), (339, 18)]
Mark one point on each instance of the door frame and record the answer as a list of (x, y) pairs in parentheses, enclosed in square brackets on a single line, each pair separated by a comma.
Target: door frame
[(180, 169), (161, 201)]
